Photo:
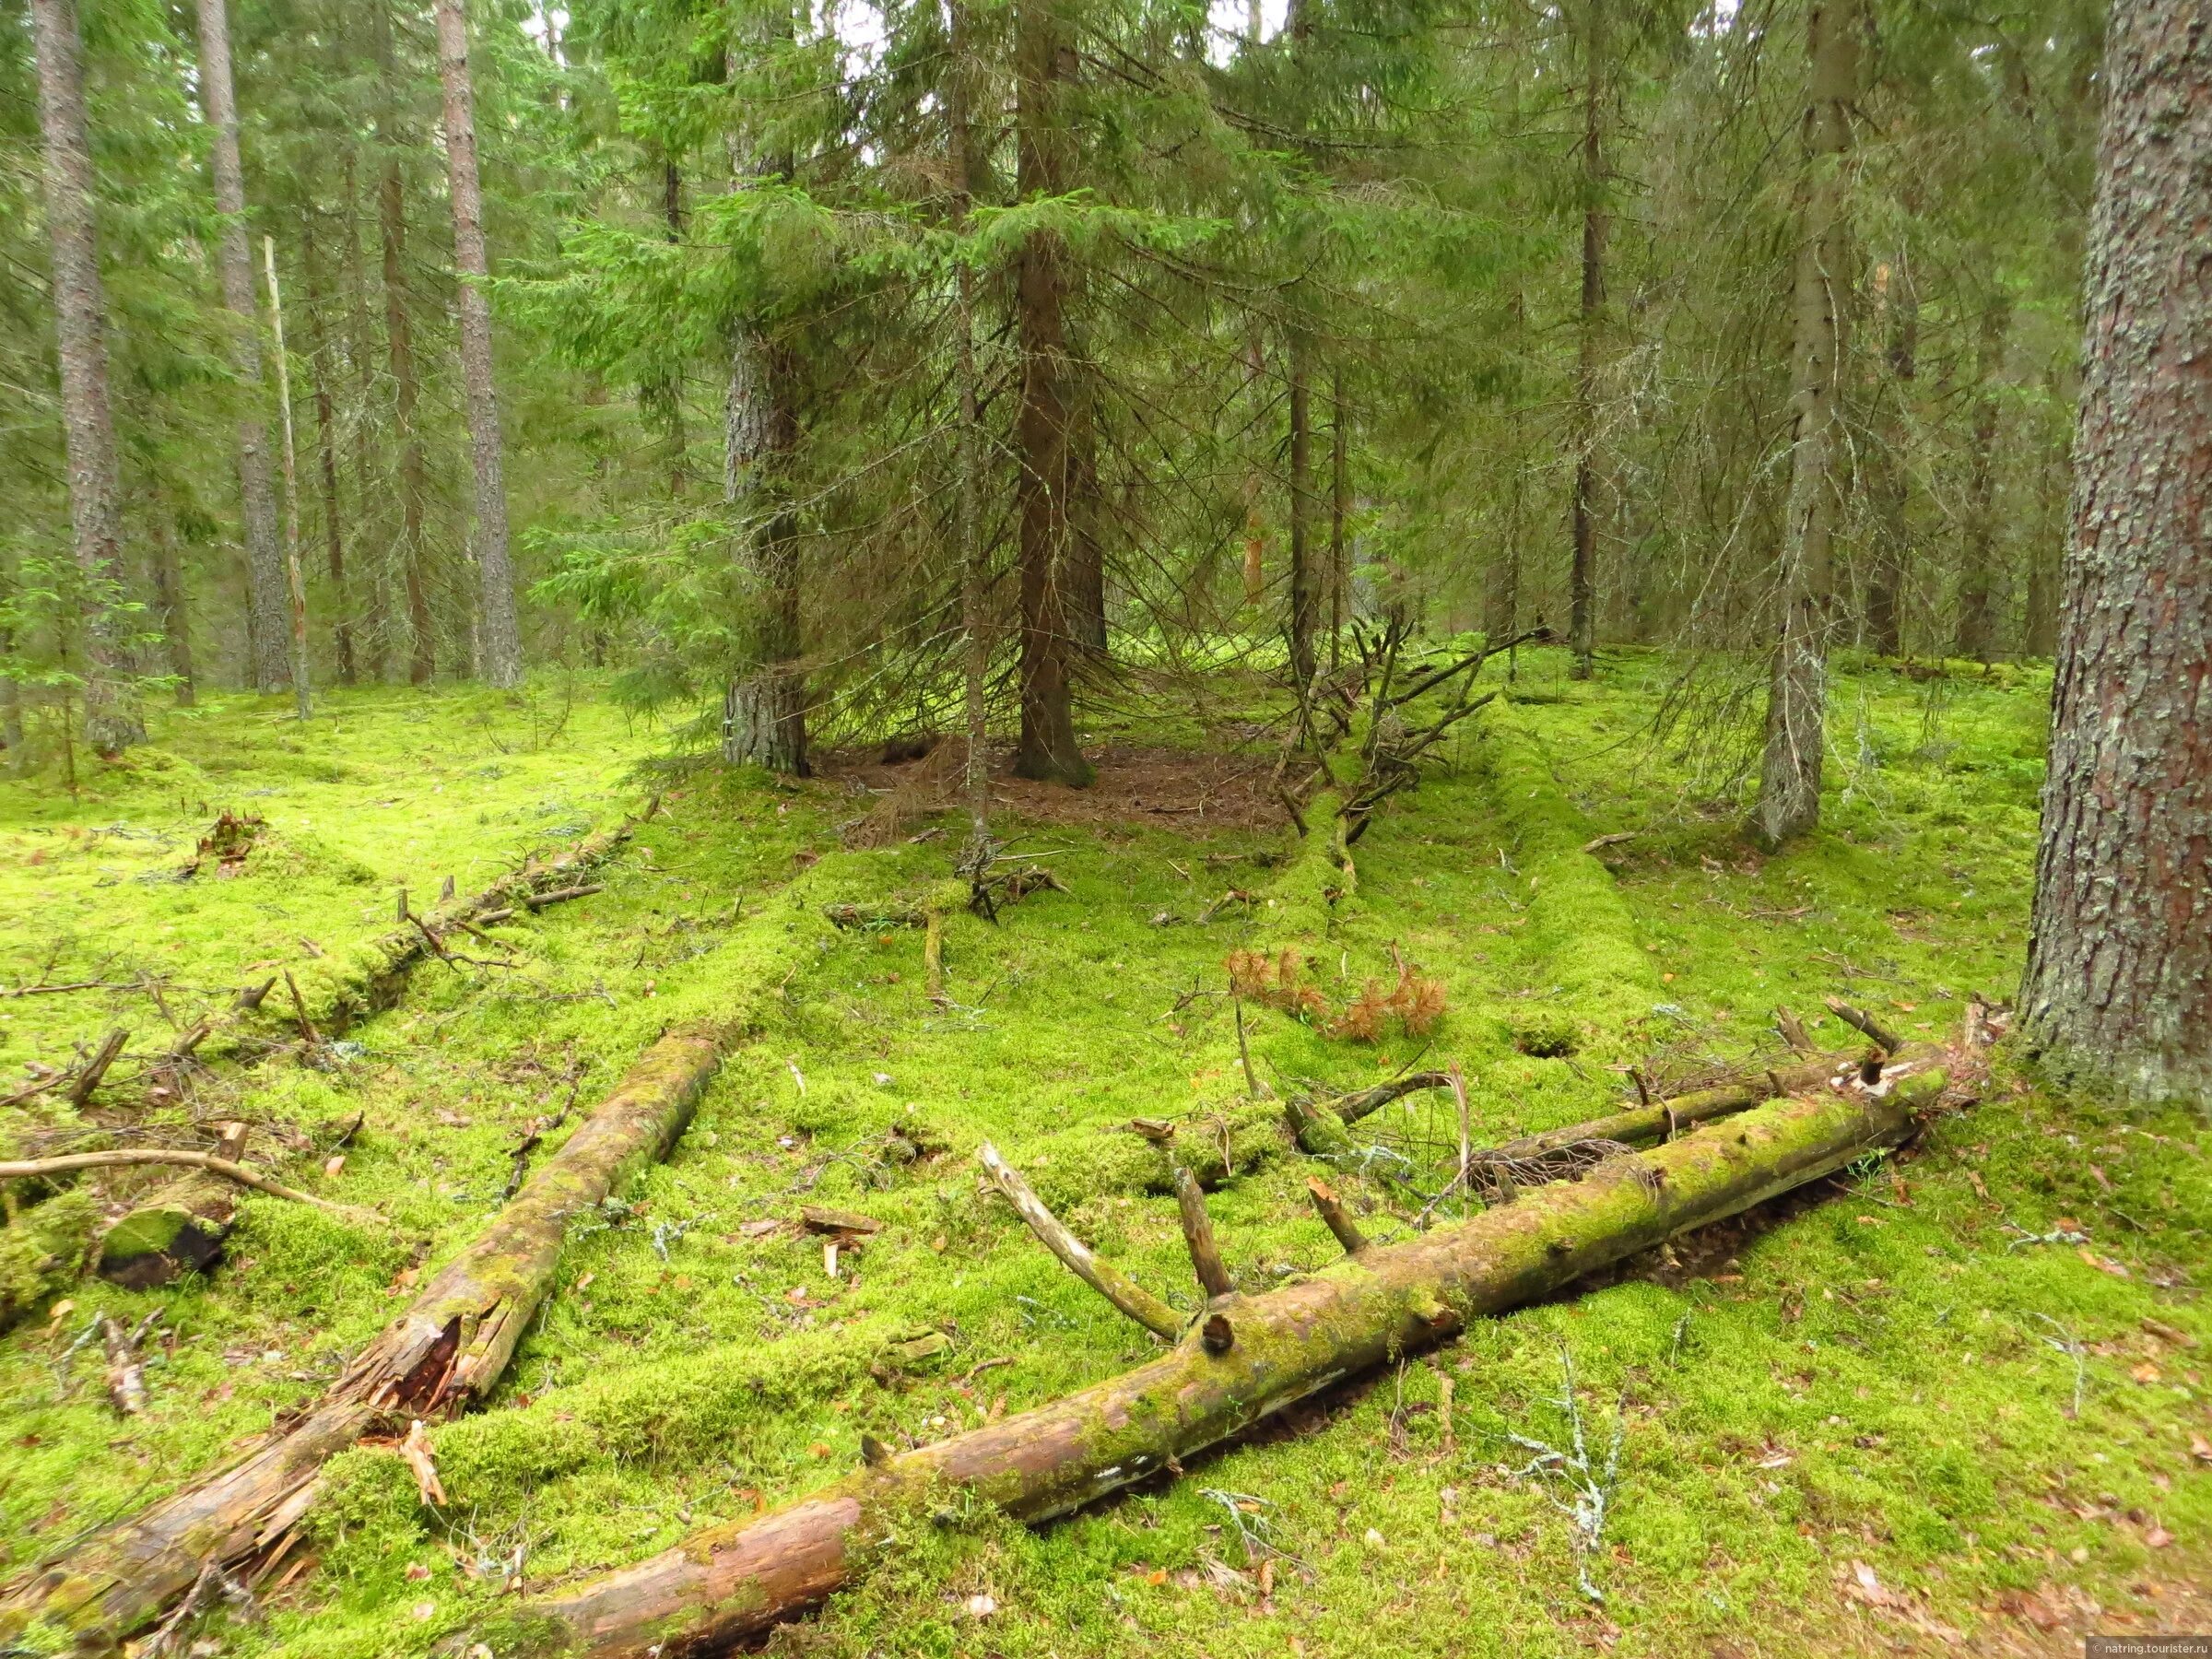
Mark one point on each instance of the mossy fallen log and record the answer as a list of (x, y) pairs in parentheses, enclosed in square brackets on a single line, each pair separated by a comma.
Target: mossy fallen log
[(1250, 1357), (446, 1349)]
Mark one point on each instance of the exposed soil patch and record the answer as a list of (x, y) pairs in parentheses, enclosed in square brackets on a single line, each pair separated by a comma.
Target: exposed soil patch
[(1191, 792)]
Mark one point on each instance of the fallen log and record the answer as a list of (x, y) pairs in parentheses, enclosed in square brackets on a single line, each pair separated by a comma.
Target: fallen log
[(1250, 1357), (449, 1346)]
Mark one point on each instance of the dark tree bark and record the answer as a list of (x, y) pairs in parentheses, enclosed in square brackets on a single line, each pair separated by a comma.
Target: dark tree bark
[(1340, 513), (970, 168), (326, 446), (399, 349), (1977, 569), (503, 641), (111, 722), (1582, 580), (267, 624), (1305, 584), (2119, 980), (1086, 582), (1889, 480), (1788, 787), (170, 608), (369, 518), (1047, 749)]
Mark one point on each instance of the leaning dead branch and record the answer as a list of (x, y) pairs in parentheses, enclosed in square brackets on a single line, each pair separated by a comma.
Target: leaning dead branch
[(1108, 1280), (1881, 1036), (721, 1586), (70, 1162), (1198, 1237)]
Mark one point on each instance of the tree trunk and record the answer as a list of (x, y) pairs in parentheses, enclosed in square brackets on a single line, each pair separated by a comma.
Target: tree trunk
[(399, 347), (1340, 513), (2119, 980), (502, 643), (1249, 1358), (327, 447), (1889, 476), (1085, 581), (1047, 749), (764, 709), (111, 722), (1582, 584), (1977, 570), (295, 586), (969, 168), (266, 631), (369, 518), (1305, 595), (1789, 786), (169, 609)]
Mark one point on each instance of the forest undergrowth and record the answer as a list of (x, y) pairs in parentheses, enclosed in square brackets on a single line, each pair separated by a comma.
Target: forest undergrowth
[(1952, 1396)]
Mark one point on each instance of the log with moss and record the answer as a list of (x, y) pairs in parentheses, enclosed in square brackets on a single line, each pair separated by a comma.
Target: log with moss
[(448, 1347), (1247, 1357)]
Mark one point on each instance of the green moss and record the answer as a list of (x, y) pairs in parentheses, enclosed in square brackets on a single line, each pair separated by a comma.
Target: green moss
[(1869, 1376)]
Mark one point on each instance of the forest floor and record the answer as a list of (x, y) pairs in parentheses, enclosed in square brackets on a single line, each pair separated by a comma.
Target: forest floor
[(1951, 1400)]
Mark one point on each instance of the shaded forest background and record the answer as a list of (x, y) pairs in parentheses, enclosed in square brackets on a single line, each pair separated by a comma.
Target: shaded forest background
[(816, 333)]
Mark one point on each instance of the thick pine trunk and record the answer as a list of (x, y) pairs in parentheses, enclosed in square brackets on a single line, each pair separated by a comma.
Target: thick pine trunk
[(111, 722), (764, 709), (1788, 787), (1047, 749), (399, 350), (267, 629), (502, 643), (969, 167), (326, 451), (1889, 479), (1582, 577), (1977, 568), (2119, 980), (1251, 1357)]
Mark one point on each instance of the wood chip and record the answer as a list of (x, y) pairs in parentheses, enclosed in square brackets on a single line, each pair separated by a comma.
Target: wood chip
[(821, 1219)]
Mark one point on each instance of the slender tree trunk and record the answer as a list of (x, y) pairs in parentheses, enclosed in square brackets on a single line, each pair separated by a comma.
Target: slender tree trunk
[(170, 608), (969, 168), (664, 401), (1305, 595), (327, 446), (111, 722), (1581, 584), (1047, 749), (1340, 513), (764, 706), (295, 584), (369, 517), (502, 643), (2119, 980), (1889, 476), (1977, 571), (1086, 582), (399, 347), (1789, 790), (234, 267), (2047, 546)]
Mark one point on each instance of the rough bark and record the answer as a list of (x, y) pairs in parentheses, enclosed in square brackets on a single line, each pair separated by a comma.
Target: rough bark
[(1581, 580), (1340, 513), (1789, 786), (111, 722), (724, 1584), (399, 350), (265, 625), (1047, 749), (326, 453), (1889, 478), (764, 709), (1305, 579), (1977, 567), (2118, 980), (448, 1347), (969, 167), (502, 643), (170, 610)]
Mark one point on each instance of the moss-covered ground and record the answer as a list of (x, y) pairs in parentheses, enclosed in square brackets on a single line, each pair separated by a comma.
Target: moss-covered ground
[(1882, 1415)]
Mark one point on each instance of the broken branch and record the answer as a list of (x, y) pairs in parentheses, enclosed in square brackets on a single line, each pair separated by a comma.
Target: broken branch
[(1198, 1236), (1108, 1281)]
